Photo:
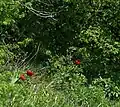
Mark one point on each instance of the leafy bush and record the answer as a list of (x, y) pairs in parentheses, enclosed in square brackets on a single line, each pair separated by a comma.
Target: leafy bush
[(5, 55), (111, 90), (10, 10)]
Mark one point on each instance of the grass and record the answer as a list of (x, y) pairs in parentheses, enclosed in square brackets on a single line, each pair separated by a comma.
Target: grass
[(41, 92)]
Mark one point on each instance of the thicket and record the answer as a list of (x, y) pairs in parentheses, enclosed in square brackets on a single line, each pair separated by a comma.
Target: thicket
[(54, 33)]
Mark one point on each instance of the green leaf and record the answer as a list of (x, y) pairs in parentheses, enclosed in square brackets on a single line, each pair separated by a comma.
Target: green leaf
[(14, 80)]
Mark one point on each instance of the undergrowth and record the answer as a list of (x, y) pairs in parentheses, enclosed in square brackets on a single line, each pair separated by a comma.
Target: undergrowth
[(45, 91)]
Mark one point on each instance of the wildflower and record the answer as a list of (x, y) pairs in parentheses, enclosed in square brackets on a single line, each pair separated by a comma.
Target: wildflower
[(30, 73), (22, 77), (77, 62)]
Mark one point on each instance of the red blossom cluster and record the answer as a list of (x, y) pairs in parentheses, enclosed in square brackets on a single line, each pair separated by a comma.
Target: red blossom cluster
[(28, 72), (77, 62)]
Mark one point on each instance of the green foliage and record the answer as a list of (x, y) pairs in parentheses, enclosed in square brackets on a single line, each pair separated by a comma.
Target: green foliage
[(5, 55), (42, 93), (91, 96), (10, 10), (25, 42), (55, 32), (99, 53), (65, 73), (111, 90)]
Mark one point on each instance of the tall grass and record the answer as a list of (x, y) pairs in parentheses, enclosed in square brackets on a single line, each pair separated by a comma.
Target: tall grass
[(42, 92)]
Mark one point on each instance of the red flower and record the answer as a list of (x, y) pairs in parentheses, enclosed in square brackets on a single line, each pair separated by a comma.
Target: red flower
[(22, 77), (77, 62), (30, 73)]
